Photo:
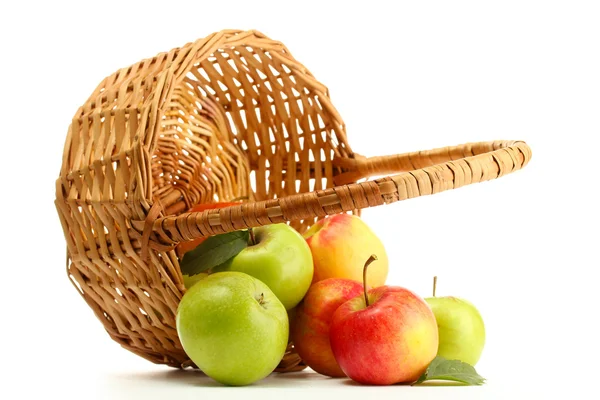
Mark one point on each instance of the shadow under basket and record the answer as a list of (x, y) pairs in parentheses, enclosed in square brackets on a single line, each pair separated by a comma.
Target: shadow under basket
[(230, 115)]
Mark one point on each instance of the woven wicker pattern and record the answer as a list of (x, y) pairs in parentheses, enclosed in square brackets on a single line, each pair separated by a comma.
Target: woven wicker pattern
[(230, 115)]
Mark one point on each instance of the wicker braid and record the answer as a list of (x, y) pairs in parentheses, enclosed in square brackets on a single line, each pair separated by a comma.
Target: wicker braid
[(230, 115)]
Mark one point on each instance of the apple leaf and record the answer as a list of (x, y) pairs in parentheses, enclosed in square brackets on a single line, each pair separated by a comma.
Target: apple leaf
[(214, 251), (451, 370)]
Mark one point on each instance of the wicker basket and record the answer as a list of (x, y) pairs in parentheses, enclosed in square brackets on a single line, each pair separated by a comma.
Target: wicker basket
[(230, 115)]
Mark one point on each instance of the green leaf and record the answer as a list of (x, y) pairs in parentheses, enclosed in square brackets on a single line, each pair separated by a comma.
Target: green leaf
[(451, 370), (214, 251)]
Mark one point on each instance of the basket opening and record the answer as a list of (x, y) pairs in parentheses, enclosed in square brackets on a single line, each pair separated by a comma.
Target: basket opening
[(242, 124)]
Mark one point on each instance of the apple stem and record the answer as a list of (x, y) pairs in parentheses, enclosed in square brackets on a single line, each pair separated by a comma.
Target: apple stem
[(252, 237), (434, 284), (369, 261)]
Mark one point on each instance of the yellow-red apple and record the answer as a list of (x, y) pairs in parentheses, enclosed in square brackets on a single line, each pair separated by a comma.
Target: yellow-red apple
[(340, 244), (310, 328), (387, 335)]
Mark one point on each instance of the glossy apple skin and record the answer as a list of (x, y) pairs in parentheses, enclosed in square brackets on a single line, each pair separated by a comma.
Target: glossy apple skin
[(231, 334), (340, 246), (393, 340), (461, 329), (281, 259), (189, 281), (310, 328)]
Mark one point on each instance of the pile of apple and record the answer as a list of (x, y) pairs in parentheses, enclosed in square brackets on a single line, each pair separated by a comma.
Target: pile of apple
[(325, 292)]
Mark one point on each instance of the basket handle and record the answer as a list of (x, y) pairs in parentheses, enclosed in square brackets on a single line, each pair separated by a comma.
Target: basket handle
[(421, 173)]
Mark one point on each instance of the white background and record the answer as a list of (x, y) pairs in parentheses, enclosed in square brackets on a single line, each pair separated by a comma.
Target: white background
[(412, 76)]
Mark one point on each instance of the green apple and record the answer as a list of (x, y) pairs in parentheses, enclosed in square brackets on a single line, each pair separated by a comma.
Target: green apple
[(460, 327), (279, 257), (189, 281), (233, 328)]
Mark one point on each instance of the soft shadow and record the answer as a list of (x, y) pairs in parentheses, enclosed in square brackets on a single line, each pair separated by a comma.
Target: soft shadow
[(297, 380), (301, 376), (350, 382), (192, 377), (187, 377), (440, 383)]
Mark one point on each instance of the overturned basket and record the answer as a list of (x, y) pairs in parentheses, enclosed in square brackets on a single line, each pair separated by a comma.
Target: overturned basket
[(231, 115)]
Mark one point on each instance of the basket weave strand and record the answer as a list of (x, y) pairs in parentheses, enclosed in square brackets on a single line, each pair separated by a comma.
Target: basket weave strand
[(230, 115)]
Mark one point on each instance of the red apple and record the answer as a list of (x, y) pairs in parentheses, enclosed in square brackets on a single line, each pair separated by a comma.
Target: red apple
[(310, 329), (388, 335)]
